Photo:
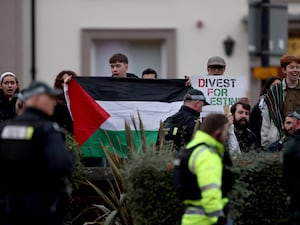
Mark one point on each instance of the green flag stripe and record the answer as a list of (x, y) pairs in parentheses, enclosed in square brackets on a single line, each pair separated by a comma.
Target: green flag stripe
[(93, 146)]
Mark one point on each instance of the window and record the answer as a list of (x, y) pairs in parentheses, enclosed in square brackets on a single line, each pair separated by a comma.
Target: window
[(155, 48)]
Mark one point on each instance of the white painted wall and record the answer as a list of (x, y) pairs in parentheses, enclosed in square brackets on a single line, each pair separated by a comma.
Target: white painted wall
[(59, 23)]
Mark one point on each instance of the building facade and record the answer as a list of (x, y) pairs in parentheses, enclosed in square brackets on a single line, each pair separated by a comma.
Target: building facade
[(40, 38)]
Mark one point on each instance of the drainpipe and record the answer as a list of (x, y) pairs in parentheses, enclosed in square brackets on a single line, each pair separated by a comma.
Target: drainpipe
[(265, 36), (265, 20), (33, 46)]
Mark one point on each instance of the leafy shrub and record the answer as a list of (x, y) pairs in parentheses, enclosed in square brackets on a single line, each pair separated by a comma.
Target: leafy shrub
[(258, 196), (142, 192), (111, 207), (120, 205), (77, 177), (78, 172), (151, 196)]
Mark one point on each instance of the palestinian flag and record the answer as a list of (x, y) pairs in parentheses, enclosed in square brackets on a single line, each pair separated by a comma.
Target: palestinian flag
[(100, 106)]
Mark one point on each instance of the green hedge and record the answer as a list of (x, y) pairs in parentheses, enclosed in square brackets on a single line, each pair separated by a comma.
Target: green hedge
[(257, 196), (151, 198)]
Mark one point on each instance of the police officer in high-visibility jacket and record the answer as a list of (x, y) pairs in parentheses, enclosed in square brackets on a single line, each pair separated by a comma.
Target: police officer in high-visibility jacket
[(205, 162)]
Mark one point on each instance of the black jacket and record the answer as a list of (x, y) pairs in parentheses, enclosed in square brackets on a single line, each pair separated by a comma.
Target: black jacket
[(255, 121), (291, 168), (131, 75), (247, 140), (63, 118), (179, 127), (7, 107), (33, 141), (34, 166)]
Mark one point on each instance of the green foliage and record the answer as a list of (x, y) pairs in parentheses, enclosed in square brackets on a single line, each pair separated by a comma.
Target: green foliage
[(118, 203), (111, 208), (77, 175), (141, 190), (151, 196), (258, 196)]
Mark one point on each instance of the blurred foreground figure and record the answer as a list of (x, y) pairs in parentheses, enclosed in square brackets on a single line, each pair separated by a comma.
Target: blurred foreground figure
[(291, 167), (34, 162)]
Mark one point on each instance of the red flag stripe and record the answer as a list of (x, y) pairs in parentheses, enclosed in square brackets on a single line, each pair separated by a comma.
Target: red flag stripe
[(87, 115)]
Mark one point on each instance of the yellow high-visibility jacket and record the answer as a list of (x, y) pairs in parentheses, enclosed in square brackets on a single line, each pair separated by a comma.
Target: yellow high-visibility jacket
[(206, 163)]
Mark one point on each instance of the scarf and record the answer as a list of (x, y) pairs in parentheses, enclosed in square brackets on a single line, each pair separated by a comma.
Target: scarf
[(274, 100)]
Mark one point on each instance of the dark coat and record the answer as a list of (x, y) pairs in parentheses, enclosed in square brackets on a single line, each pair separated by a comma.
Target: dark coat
[(179, 128), (255, 120), (7, 107), (32, 149), (63, 118), (291, 168), (247, 140)]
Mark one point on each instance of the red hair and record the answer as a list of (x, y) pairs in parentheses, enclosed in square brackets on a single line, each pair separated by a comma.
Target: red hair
[(287, 59)]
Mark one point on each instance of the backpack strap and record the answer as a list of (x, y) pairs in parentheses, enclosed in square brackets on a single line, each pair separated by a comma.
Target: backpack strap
[(196, 146), (205, 146)]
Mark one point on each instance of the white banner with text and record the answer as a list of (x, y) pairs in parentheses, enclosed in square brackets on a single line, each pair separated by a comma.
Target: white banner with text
[(220, 90)]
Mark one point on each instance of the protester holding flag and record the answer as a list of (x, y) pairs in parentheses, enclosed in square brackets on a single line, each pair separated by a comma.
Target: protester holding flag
[(119, 66), (61, 113)]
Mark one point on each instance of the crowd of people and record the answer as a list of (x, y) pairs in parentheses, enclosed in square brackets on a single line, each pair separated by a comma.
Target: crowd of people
[(272, 125), (36, 119)]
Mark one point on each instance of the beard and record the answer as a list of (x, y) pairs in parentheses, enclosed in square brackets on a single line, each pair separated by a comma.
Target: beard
[(241, 124), (289, 131)]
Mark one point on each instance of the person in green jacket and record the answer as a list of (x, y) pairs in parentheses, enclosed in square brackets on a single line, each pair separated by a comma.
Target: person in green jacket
[(205, 162)]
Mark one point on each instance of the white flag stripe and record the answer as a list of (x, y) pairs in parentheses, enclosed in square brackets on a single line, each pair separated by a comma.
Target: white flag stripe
[(151, 113)]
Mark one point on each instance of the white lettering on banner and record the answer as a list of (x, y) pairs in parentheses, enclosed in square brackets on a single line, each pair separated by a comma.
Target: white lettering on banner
[(220, 90)]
